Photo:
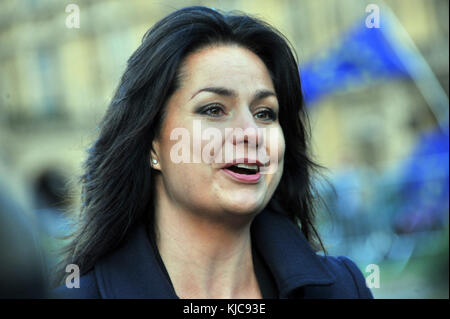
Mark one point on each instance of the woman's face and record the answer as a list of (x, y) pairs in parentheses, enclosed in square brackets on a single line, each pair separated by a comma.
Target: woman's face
[(225, 92)]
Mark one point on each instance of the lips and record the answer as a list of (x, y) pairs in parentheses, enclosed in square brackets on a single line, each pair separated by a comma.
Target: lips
[(243, 170)]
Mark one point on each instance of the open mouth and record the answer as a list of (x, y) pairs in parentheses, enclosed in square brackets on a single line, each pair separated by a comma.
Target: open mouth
[(246, 169), (243, 172)]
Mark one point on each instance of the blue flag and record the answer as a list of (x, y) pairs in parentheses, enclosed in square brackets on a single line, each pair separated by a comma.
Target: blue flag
[(425, 179), (362, 55)]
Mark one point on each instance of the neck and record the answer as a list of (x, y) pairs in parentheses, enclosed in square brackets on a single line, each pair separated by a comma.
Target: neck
[(205, 258)]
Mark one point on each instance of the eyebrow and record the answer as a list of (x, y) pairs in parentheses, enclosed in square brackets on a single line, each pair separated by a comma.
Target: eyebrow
[(259, 95)]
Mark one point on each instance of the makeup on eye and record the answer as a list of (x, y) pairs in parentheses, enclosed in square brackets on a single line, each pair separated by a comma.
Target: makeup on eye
[(272, 116), (217, 110), (210, 110)]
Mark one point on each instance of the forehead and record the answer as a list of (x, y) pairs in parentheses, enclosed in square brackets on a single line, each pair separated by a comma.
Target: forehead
[(228, 66)]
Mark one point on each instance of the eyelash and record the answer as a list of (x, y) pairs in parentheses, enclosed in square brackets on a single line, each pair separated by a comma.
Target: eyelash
[(208, 108), (271, 113)]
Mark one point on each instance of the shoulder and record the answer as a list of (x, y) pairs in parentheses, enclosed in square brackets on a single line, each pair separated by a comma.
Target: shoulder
[(88, 289), (349, 283)]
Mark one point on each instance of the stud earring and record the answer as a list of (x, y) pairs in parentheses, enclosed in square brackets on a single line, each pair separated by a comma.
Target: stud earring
[(155, 161)]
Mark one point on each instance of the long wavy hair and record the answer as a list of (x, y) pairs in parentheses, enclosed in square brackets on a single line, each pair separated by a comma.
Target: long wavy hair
[(118, 182)]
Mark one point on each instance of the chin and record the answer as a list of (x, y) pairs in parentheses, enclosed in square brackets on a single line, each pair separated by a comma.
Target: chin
[(244, 207), (241, 201)]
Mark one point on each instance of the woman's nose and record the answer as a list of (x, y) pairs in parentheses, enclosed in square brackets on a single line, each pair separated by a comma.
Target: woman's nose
[(246, 130)]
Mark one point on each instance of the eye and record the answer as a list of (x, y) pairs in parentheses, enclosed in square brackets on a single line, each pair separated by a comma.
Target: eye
[(213, 110), (266, 115)]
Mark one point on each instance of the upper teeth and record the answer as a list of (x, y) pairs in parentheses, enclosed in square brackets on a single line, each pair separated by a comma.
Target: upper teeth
[(248, 166)]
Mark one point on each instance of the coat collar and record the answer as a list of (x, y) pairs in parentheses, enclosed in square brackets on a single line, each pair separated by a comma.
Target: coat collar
[(288, 254), (133, 270)]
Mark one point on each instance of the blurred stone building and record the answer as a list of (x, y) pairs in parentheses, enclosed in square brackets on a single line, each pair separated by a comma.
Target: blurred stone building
[(56, 82)]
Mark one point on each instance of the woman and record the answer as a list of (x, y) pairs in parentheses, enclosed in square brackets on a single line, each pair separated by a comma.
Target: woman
[(169, 214)]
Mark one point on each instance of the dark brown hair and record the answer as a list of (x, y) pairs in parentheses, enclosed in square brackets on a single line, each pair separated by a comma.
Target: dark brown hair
[(117, 186)]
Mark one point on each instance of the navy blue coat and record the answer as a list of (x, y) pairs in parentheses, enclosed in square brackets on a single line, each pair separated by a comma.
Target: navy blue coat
[(133, 270)]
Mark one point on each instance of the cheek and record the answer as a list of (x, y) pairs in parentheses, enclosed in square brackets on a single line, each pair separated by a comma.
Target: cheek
[(187, 183), (281, 146), (281, 151), (276, 149)]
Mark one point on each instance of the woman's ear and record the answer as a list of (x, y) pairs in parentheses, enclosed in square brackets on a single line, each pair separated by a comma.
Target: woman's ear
[(154, 158)]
